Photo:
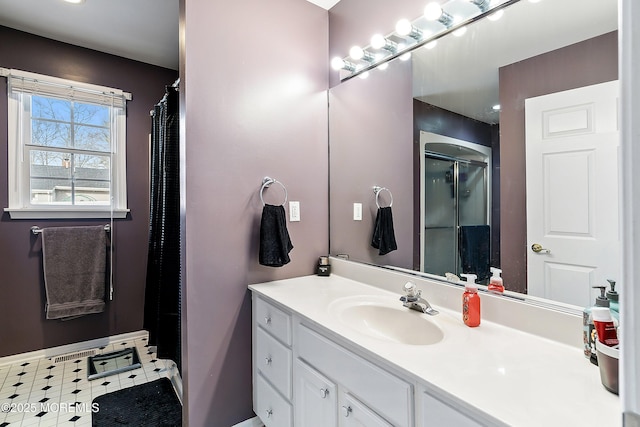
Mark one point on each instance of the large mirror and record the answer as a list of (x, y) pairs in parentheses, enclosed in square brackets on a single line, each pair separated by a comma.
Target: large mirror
[(489, 142)]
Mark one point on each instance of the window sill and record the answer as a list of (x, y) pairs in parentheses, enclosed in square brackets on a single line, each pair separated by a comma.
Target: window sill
[(65, 213)]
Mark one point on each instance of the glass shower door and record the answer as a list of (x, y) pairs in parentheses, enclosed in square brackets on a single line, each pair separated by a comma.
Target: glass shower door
[(455, 201), (440, 233)]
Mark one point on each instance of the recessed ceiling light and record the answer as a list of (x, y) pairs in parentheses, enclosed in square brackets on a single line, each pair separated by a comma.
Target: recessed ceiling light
[(74, 1)]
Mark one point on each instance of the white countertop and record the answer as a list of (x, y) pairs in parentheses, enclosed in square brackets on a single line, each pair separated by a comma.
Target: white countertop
[(515, 377)]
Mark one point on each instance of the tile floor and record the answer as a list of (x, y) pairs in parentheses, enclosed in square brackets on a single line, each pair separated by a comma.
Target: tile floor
[(45, 394)]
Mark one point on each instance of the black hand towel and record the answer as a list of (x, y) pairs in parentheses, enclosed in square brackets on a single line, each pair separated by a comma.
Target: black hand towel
[(473, 246), (275, 243), (384, 238)]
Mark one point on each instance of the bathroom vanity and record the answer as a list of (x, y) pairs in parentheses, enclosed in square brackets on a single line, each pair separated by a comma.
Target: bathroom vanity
[(343, 351)]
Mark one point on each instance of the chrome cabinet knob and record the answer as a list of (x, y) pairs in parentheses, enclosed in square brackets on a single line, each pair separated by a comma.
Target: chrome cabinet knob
[(346, 410), (267, 320), (268, 360), (269, 412), (324, 392)]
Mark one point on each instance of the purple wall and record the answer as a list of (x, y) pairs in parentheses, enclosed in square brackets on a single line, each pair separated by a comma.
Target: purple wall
[(255, 81), (21, 284), (370, 122), (586, 63)]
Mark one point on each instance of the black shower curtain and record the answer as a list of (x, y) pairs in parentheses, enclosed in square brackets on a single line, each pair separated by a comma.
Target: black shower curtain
[(162, 293)]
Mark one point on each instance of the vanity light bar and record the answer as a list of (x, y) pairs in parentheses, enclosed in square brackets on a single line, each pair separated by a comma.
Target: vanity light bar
[(413, 37)]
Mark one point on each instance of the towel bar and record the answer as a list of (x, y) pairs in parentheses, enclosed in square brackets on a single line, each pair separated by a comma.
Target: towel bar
[(37, 230)]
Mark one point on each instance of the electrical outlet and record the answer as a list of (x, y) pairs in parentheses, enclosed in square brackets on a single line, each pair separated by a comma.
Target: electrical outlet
[(294, 211), (357, 211)]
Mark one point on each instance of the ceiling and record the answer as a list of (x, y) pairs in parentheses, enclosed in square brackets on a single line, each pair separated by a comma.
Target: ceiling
[(147, 32)]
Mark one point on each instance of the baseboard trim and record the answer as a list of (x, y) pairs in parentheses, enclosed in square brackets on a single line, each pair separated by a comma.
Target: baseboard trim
[(251, 422), (70, 348)]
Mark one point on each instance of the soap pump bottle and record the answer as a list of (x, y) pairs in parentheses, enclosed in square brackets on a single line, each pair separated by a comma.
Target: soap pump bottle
[(589, 332), (495, 283), (613, 296), (470, 301)]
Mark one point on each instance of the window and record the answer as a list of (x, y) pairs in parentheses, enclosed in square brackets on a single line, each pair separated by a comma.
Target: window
[(67, 148)]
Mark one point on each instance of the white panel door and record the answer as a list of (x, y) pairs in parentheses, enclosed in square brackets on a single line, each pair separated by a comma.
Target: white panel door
[(572, 143)]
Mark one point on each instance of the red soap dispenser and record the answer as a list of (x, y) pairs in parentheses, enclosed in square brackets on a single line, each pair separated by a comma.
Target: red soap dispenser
[(470, 301)]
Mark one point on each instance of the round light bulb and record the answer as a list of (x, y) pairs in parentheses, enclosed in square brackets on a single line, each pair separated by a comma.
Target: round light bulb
[(356, 53), (337, 63), (378, 41), (460, 31), (432, 11), (405, 56), (496, 15), (431, 44), (496, 107), (364, 75), (404, 27), (383, 66)]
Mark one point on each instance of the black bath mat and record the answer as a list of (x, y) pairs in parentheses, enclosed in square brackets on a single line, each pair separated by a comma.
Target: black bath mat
[(153, 404)]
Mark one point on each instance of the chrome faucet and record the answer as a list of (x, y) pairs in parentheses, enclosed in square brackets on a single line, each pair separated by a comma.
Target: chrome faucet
[(414, 301)]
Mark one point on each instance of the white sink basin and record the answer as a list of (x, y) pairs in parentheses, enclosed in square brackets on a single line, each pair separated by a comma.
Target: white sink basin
[(386, 319)]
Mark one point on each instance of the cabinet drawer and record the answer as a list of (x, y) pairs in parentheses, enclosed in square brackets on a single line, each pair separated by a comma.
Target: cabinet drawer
[(385, 393), (273, 360), (274, 320), (271, 408), (354, 413)]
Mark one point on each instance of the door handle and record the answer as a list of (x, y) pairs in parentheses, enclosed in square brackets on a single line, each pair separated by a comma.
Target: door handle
[(537, 248)]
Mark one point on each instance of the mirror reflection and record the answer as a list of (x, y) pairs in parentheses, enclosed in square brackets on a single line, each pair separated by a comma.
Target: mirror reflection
[(479, 168)]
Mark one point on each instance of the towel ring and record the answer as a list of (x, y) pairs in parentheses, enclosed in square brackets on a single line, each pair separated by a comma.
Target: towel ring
[(378, 190), (266, 182)]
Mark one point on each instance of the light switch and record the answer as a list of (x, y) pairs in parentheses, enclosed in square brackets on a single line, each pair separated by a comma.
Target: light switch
[(357, 211), (294, 211)]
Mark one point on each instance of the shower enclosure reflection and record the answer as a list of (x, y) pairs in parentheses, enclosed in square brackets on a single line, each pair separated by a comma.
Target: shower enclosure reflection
[(455, 201)]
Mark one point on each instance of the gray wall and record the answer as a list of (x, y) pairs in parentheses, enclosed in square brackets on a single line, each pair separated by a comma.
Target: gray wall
[(22, 297), (586, 63), (255, 79)]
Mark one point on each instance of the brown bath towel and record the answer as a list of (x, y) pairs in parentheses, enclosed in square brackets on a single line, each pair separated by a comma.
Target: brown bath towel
[(74, 261)]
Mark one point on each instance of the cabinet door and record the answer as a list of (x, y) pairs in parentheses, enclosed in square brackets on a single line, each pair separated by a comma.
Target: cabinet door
[(354, 413), (436, 414), (316, 400)]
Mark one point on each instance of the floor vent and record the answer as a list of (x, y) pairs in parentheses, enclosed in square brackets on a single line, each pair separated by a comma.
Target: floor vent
[(73, 356)]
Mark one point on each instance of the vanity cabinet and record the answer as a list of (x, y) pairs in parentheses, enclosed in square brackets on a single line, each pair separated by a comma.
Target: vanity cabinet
[(363, 386), (305, 376)]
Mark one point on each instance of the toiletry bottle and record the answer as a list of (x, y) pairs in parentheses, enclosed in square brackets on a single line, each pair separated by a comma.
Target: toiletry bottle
[(470, 301), (495, 283), (323, 268), (605, 329), (588, 327), (613, 296)]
